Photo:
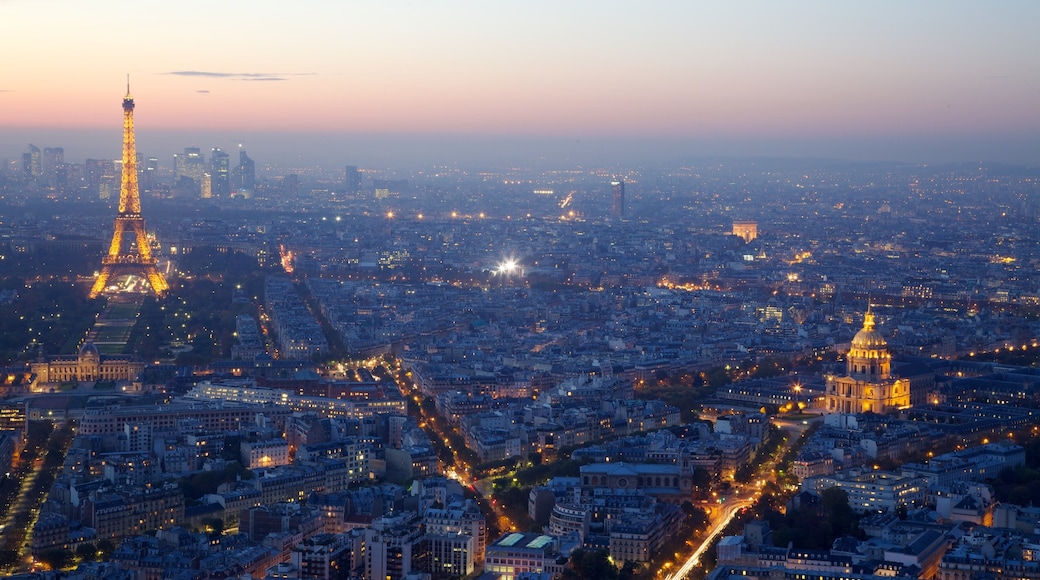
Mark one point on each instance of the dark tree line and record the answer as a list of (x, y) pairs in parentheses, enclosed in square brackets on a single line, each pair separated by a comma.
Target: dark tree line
[(812, 527)]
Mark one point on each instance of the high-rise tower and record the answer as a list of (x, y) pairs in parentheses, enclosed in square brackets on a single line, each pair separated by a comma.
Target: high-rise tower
[(353, 180), (141, 261), (220, 173), (33, 164), (244, 177), (52, 161), (617, 197)]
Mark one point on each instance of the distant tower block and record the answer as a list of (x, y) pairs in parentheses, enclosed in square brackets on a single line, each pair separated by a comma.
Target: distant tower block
[(617, 197), (206, 187), (746, 229), (352, 182), (138, 260)]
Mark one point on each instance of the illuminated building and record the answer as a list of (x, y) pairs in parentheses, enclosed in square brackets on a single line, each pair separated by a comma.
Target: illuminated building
[(12, 416), (868, 384), (9, 443), (518, 553), (148, 174), (206, 186), (118, 512), (385, 188), (14, 382), (395, 546), (329, 556), (32, 163), (51, 164), (87, 365), (117, 261), (271, 453), (459, 520), (871, 491), (450, 555), (617, 197), (220, 173), (247, 392), (191, 164), (97, 171), (222, 418), (746, 229), (663, 481)]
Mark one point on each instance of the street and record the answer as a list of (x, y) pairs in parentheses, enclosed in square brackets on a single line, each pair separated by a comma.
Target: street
[(730, 511), (792, 430)]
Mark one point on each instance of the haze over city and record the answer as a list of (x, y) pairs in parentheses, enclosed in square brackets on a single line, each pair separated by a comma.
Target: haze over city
[(516, 82)]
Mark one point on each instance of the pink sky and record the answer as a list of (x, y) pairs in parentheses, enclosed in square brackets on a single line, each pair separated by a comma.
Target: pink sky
[(613, 69)]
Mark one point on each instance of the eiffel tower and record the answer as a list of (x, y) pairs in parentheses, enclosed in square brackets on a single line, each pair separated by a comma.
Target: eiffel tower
[(141, 261)]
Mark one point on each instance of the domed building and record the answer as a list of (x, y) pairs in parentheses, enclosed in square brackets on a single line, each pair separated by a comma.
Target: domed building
[(87, 365), (868, 384)]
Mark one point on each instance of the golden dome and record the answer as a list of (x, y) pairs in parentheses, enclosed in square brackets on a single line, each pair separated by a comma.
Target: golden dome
[(868, 338)]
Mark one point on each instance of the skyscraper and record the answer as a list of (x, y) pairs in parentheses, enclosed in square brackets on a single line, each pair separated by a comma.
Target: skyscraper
[(220, 173), (617, 197), (52, 159), (32, 163), (206, 189), (191, 165), (60, 178), (353, 180), (26, 174), (100, 176), (244, 182), (148, 172)]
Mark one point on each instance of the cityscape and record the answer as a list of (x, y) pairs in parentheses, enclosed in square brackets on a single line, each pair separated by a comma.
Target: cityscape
[(420, 343)]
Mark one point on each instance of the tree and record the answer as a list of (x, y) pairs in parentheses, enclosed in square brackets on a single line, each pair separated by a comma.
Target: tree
[(213, 526), (106, 547), (590, 565), (696, 517), (8, 558), (835, 502), (56, 558), (86, 552)]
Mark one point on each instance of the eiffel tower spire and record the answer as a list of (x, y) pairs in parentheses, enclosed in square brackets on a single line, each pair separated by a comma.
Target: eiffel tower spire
[(137, 260)]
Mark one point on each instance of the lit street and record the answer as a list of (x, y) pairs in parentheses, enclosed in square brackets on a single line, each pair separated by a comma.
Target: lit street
[(731, 509)]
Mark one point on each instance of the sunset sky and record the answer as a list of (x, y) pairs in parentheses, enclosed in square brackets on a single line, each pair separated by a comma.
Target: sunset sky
[(879, 79)]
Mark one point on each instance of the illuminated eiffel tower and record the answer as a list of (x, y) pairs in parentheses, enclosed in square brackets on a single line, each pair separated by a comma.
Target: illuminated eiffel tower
[(141, 261)]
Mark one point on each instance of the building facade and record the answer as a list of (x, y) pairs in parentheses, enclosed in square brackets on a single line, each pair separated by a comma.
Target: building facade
[(88, 365), (868, 385), (617, 197)]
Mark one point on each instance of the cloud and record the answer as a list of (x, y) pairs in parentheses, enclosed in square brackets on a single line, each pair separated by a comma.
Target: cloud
[(193, 73), (237, 76), (204, 91)]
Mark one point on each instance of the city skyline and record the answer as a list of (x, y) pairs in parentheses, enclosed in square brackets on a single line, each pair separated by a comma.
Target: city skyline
[(569, 291), (369, 83)]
